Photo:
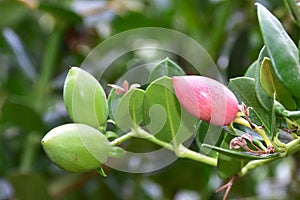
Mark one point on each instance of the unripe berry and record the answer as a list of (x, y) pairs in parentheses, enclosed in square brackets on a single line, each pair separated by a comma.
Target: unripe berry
[(85, 98), (206, 99), (76, 147)]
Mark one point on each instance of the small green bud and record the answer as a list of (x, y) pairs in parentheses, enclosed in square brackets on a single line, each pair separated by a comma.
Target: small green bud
[(85, 98), (76, 147)]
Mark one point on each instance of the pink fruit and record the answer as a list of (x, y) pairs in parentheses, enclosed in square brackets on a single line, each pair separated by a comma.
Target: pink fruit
[(206, 99)]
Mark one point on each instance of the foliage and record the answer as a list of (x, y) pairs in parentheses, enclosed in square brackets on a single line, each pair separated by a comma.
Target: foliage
[(31, 87)]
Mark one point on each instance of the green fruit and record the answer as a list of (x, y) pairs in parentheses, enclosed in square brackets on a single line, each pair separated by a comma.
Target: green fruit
[(76, 147), (84, 98)]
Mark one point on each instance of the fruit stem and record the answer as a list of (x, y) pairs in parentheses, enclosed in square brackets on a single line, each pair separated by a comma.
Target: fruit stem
[(244, 122), (291, 148)]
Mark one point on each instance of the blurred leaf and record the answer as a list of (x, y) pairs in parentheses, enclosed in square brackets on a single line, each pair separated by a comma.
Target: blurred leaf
[(165, 68), (293, 9), (50, 58), (229, 166), (251, 70), (271, 85), (282, 50), (130, 109), (163, 115), (61, 14), (244, 89), (17, 114), (298, 102), (193, 177), (17, 46), (239, 54), (29, 186), (12, 11)]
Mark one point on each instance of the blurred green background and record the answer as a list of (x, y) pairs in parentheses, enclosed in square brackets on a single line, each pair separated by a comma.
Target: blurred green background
[(40, 39)]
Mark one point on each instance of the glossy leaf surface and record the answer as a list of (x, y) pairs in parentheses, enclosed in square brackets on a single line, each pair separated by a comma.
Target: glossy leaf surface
[(272, 84), (130, 110), (282, 50), (244, 89), (165, 68)]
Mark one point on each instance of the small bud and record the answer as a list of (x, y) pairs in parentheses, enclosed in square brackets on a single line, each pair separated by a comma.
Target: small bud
[(85, 98), (237, 143), (76, 147), (206, 99)]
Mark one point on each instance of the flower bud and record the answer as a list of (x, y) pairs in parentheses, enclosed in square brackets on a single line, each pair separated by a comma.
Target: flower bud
[(76, 147), (85, 98), (206, 99)]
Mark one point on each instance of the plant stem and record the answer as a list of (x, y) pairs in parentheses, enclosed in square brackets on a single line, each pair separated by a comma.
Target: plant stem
[(291, 114), (291, 148), (280, 110), (244, 122), (181, 151), (122, 139), (29, 151), (187, 153)]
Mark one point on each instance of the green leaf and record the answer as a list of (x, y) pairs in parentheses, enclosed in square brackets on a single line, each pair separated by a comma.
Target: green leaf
[(251, 70), (113, 103), (282, 50), (165, 68), (208, 134), (244, 90), (227, 165), (61, 14), (14, 11), (297, 102), (293, 9), (271, 84), (28, 186), (264, 99), (240, 154), (16, 44), (18, 114), (163, 115), (130, 109)]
